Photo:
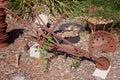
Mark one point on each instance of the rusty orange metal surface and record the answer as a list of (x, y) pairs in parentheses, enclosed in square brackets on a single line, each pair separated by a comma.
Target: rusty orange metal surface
[(101, 41)]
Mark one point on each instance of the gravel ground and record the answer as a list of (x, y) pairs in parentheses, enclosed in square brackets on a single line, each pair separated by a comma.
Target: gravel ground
[(59, 69)]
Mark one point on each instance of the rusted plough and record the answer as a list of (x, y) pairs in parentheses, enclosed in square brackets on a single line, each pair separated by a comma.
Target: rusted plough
[(56, 47)]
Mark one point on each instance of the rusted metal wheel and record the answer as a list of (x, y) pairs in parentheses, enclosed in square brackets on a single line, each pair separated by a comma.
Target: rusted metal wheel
[(102, 41), (102, 63)]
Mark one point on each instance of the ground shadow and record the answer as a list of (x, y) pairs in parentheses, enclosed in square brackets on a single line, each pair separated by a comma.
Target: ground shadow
[(73, 38), (14, 34)]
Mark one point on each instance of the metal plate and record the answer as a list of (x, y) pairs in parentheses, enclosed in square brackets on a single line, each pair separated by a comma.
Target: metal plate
[(101, 41)]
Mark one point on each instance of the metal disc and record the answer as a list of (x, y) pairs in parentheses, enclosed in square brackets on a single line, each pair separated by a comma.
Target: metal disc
[(102, 63)]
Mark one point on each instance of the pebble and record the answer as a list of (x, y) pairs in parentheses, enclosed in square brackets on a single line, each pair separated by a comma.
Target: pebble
[(62, 74)]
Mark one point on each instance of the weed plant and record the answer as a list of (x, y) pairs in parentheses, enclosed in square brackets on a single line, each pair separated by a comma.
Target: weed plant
[(75, 62), (42, 52), (73, 8), (46, 45), (22, 9)]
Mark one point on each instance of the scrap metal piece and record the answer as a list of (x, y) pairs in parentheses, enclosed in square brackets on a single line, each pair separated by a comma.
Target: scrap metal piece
[(102, 41), (102, 63), (99, 24)]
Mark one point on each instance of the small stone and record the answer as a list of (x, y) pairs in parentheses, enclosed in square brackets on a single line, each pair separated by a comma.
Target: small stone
[(72, 67), (62, 74), (44, 19), (67, 71), (19, 78)]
